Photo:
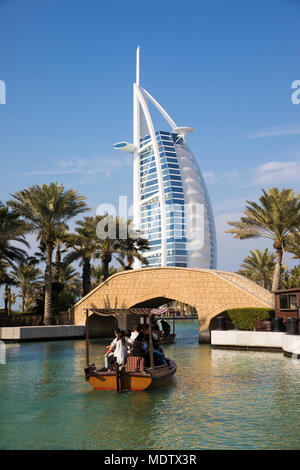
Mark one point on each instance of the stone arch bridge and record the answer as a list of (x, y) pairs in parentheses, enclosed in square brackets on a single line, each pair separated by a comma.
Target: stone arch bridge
[(209, 291)]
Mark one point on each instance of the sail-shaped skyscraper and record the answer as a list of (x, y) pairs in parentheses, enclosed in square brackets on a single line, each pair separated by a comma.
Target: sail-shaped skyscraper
[(171, 205)]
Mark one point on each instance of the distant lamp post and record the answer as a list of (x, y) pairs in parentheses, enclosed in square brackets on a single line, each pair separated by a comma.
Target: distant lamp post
[(6, 296)]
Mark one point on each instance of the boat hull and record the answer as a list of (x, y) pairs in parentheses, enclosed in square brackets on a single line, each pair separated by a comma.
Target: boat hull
[(126, 382), (167, 339), (130, 381)]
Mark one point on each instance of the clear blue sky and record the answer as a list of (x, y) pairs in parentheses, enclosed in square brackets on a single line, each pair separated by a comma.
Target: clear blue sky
[(222, 67)]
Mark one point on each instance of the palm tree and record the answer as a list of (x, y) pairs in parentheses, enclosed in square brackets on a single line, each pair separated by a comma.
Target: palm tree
[(70, 279), (291, 278), (83, 243), (294, 245), (40, 254), (34, 294), (277, 218), (88, 243), (61, 240), (45, 210), (295, 275), (117, 247), (26, 277), (70, 288), (97, 274), (133, 247), (259, 267), (12, 229), (4, 277), (12, 298)]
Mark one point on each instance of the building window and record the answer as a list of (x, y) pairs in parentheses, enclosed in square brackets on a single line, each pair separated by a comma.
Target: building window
[(288, 301), (169, 154), (293, 302), (165, 133)]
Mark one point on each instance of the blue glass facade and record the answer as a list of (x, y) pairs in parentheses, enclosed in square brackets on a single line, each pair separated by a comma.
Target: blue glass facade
[(174, 201)]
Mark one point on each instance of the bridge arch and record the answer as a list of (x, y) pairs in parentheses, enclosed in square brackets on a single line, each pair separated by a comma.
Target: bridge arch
[(209, 291), (152, 302)]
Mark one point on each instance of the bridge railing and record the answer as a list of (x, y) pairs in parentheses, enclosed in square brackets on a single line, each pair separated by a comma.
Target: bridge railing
[(249, 286)]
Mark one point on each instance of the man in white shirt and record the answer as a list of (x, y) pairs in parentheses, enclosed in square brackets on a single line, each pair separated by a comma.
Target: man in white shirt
[(134, 334), (111, 347)]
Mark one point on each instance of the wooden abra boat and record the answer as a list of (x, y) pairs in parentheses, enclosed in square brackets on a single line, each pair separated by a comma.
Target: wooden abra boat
[(167, 339), (133, 376)]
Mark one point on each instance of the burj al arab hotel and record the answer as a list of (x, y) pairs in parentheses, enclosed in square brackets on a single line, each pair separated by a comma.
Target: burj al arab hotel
[(171, 205)]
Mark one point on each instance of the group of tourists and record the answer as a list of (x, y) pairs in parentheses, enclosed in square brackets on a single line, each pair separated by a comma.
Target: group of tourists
[(136, 343)]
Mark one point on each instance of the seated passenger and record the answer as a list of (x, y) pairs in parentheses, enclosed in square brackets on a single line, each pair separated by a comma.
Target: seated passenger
[(129, 341), (111, 347), (158, 355), (120, 352), (166, 327), (134, 333), (154, 339), (155, 329), (138, 349)]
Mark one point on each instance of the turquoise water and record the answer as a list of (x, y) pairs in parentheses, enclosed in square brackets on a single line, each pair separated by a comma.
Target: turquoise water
[(217, 400)]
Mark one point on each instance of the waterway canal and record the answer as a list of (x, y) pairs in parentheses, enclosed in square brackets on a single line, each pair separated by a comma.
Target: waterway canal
[(218, 400)]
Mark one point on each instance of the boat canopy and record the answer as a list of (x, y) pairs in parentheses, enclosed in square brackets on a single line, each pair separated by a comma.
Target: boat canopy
[(123, 311)]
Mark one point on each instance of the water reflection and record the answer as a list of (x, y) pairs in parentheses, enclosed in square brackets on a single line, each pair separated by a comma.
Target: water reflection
[(219, 399)]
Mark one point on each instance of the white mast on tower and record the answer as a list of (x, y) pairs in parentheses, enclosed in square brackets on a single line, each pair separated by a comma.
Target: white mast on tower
[(136, 158), (140, 106), (140, 110)]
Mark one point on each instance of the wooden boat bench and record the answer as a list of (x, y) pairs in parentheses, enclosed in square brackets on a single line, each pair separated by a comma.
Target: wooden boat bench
[(134, 364)]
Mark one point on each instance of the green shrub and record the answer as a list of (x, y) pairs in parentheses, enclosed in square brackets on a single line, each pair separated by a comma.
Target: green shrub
[(244, 318)]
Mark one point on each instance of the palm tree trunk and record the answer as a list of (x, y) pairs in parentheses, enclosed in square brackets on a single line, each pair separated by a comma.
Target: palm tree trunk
[(86, 276), (129, 262), (48, 285), (277, 271), (57, 263), (6, 294), (105, 265), (23, 300)]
